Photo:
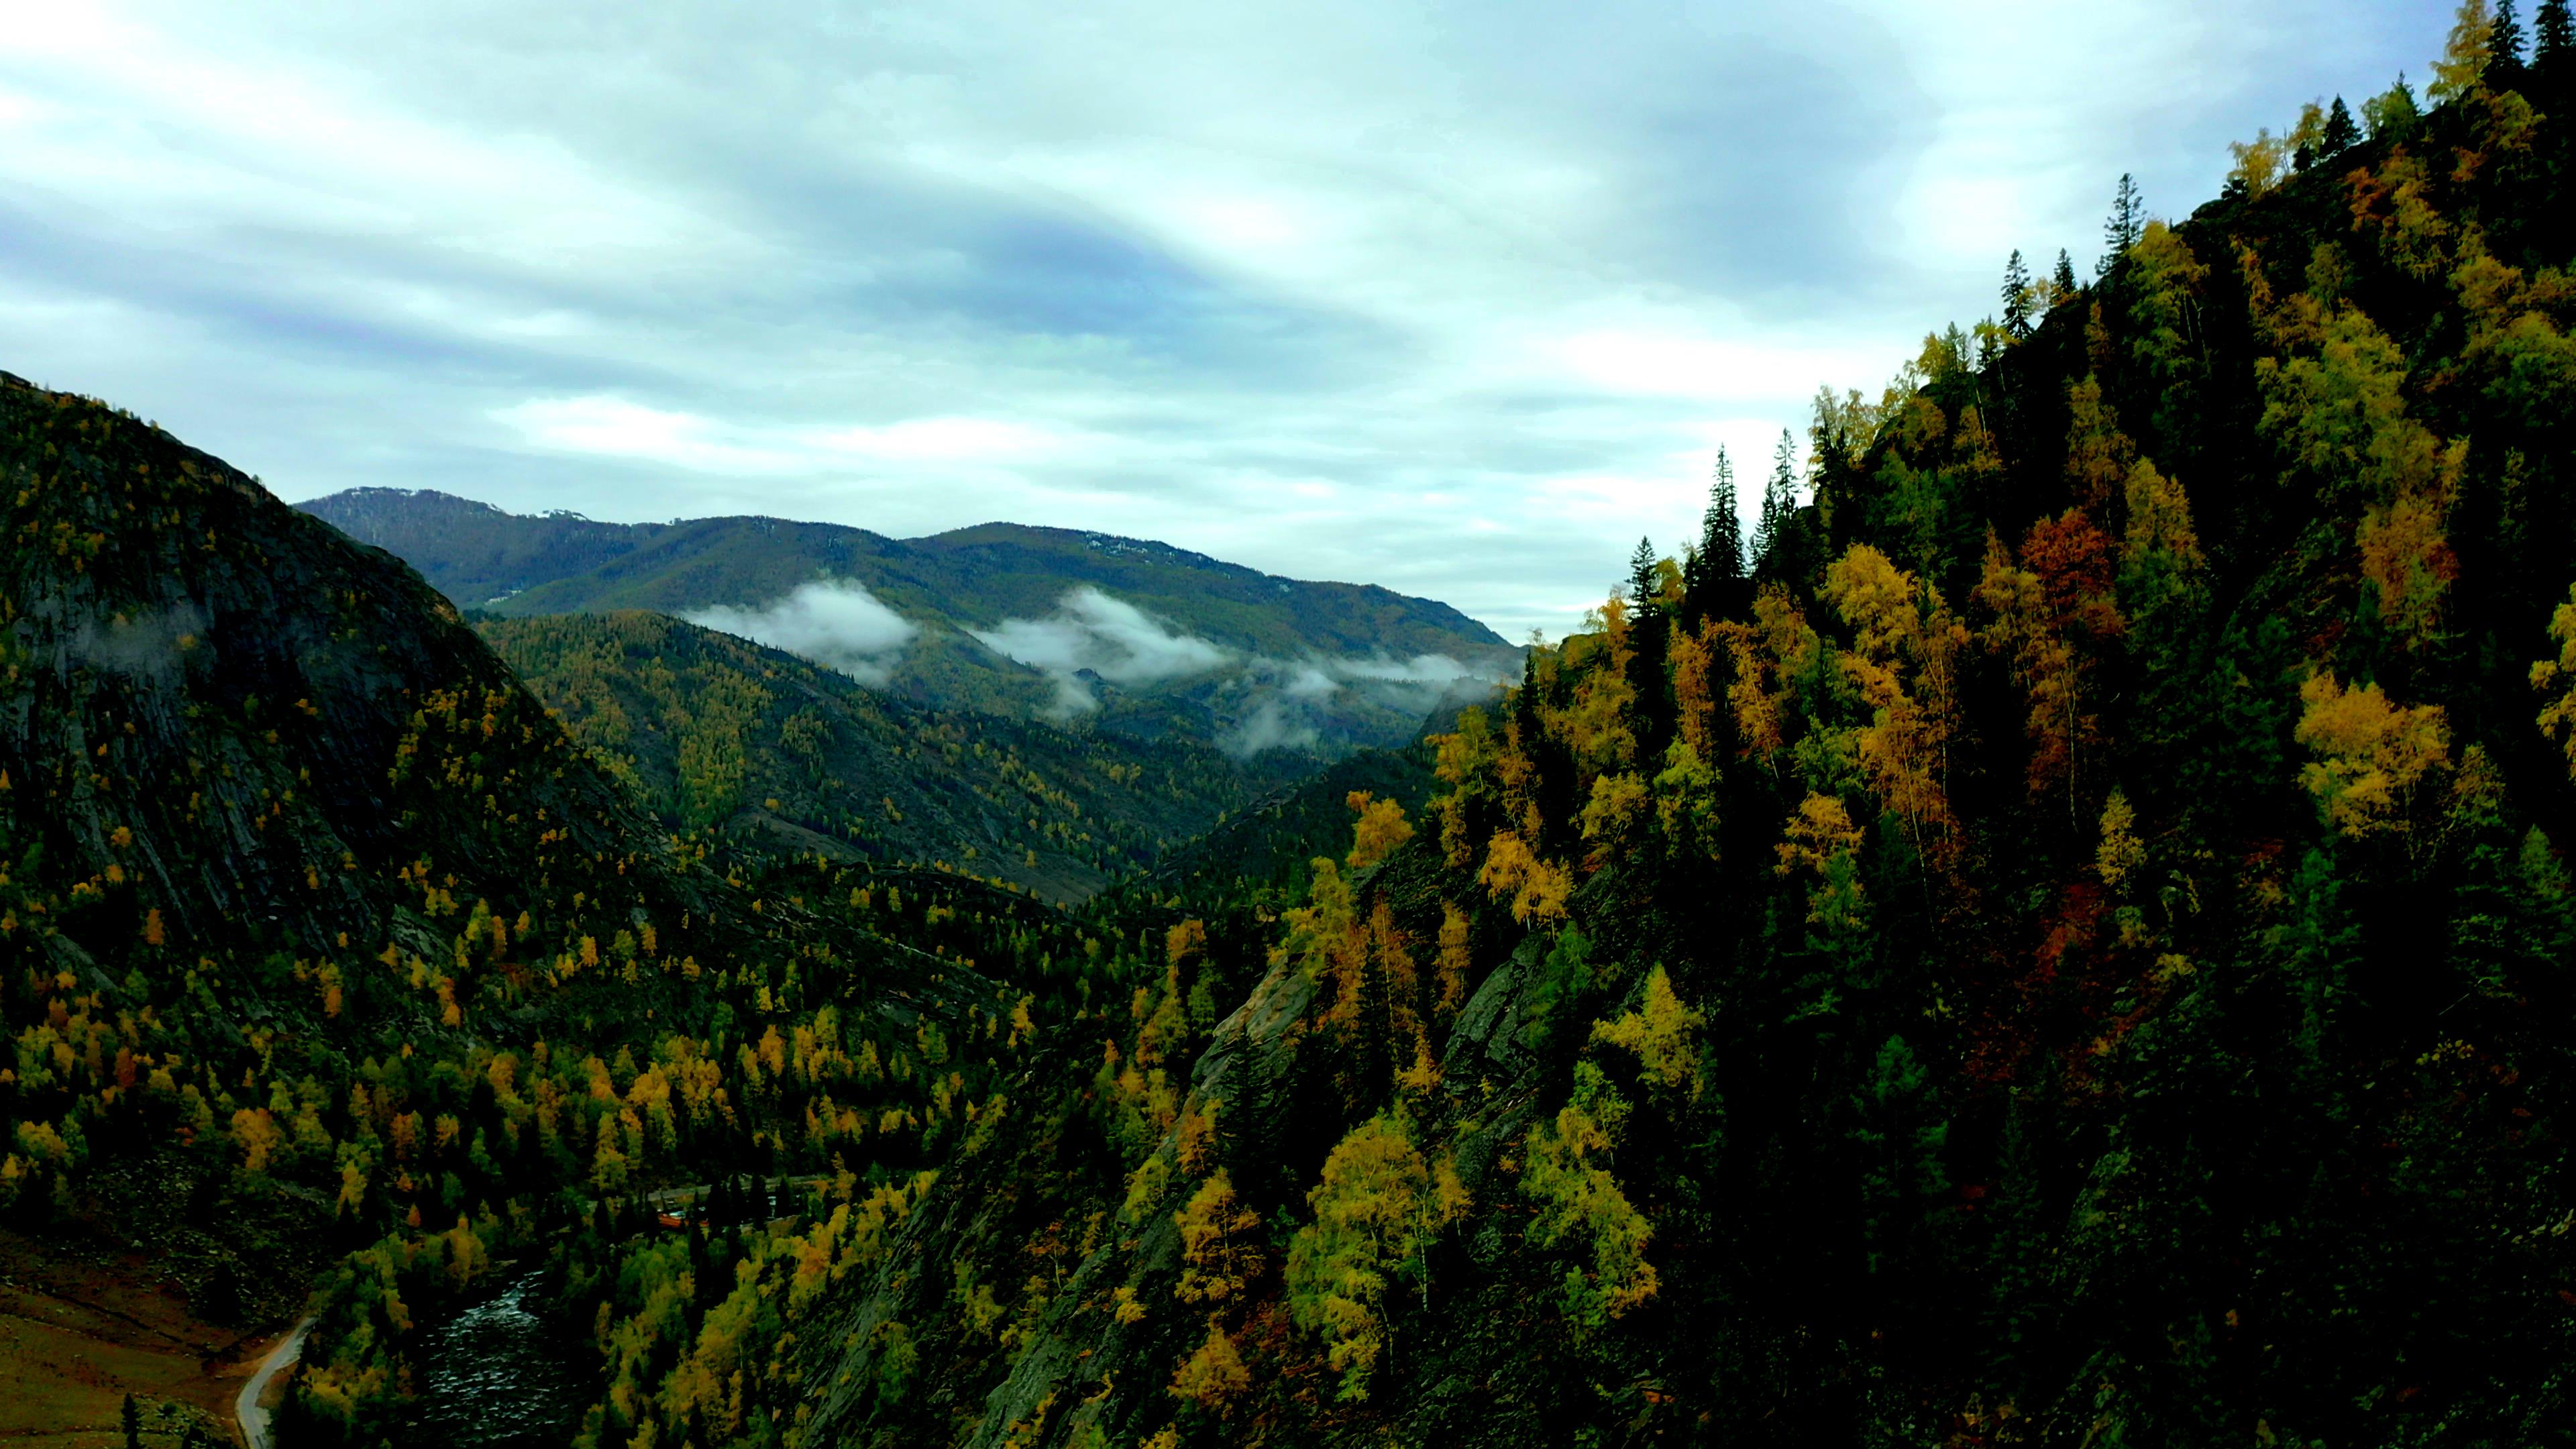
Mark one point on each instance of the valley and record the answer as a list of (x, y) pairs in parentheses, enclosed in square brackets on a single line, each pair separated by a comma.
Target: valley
[(2051, 925)]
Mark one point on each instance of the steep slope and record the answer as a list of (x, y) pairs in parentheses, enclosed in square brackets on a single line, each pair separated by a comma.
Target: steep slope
[(2074, 949), (711, 730), (328, 956), (1191, 647)]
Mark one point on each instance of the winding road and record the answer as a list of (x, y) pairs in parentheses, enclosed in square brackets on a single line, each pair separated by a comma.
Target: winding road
[(254, 1419)]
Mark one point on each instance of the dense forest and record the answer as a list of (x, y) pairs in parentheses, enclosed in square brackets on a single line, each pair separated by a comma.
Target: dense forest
[(2065, 940), (709, 730)]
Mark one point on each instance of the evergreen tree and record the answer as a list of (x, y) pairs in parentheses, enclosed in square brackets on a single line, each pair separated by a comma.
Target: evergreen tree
[(2064, 277), (1641, 577), (2553, 47), (2016, 295), (1779, 501), (2341, 133), (2127, 222), (1721, 542), (2504, 47), (130, 1418)]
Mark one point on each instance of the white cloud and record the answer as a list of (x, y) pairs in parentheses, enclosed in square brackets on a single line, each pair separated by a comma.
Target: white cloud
[(1109, 638), (835, 623), (1280, 286)]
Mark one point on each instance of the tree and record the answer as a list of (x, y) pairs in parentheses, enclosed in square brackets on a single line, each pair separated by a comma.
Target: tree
[(1643, 587), (1779, 502), (2128, 220), (2370, 753), (2062, 280), (2555, 679), (2462, 70), (2504, 64), (2340, 133), (1721, 543), (1578, 1202), (1377, 1210), (2391, 115), (130, 1418), (2307, 134), (2553, 40), (2016, 295)]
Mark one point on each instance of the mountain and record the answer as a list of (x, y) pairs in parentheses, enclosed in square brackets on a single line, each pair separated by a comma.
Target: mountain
[(2072, 947), (710, 730), (1144, 639), (332, 962), (2070, 944)]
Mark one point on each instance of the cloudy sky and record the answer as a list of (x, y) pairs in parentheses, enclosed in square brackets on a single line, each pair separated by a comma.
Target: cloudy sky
[(1459, 299)]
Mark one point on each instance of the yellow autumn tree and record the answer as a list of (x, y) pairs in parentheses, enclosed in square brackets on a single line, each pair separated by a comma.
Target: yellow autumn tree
[(1378, 1209), (1379, 831), (1537, 888), (1213, 1377), (1663, 1035), (1219, 1249), (2370, 753), (2558, 716), (1903, 663)]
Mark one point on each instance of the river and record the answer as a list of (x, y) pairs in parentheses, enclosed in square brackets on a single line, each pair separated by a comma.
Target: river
[(496, 1377)]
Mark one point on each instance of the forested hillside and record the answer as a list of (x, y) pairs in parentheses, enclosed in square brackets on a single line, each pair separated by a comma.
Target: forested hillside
[(333, 966), (710, 730), (1133, 637), (2067, 944), (2066, 941)]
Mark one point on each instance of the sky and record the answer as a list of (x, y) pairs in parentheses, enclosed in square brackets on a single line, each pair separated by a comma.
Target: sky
[(1457, 299)]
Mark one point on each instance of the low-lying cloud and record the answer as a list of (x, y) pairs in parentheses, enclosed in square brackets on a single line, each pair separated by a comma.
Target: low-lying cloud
[(836, 623), (1092, 633), (1267, 702)]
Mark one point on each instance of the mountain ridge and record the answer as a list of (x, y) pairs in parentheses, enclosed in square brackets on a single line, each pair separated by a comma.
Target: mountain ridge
[(1132, 635)]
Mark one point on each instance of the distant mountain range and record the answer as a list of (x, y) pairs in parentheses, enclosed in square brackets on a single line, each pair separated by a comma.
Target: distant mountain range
[(1141, 638), (709, 730)]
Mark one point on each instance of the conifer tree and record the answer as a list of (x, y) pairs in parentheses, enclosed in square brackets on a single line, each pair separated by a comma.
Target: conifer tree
[(2064, 277), (2341, 133), (2016, 295), (1779, 500), (2504, 46), (2127, 222), (1641, 577), (2553, 48), (1721, 542)]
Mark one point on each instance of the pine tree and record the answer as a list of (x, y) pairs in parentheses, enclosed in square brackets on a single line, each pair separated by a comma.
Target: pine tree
[(2341, 133), (1779, 501), (2064, 277), (1721, 541), (2504, 65), (1642, 590), (2127, 222), (2553, 47), (130, 1418), (2016, 295)]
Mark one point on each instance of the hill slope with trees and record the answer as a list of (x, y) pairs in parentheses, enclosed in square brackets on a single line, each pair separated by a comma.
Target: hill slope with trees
[(711, 730), (2067, 944), (1242, 644)]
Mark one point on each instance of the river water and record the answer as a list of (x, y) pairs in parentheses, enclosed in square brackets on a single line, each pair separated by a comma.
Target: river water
[(497, 1378)]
